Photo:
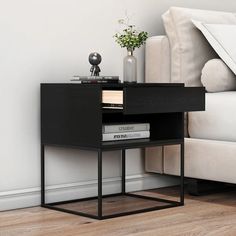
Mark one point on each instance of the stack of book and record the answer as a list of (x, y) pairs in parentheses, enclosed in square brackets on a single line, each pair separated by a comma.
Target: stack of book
[(112, 99), (96, 79), (112, 132)]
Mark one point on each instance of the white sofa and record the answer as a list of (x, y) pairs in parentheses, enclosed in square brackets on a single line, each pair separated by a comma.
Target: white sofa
[(210, 143)]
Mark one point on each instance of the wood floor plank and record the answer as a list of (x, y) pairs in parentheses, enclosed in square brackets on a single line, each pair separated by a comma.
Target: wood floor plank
[(212, 215)]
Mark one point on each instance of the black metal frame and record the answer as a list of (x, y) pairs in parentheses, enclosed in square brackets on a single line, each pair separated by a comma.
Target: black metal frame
[(100, 197)]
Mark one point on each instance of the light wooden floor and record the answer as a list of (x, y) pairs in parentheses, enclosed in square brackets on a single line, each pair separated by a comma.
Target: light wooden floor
[(209, 215)]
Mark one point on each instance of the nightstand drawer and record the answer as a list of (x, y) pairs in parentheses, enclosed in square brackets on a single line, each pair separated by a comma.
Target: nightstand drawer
[(142, 100)]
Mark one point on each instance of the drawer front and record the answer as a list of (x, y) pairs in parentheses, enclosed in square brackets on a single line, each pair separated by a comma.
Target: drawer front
[(142, 100)]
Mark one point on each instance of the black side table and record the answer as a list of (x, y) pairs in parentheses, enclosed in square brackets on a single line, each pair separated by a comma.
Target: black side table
[(72, 116)]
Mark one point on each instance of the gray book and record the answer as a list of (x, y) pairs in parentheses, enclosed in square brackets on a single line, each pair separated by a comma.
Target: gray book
[(121, 128), (106, 77), (124, 136)]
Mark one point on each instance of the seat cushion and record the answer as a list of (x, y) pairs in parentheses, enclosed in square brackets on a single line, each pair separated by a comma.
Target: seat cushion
[(189, 48), (218, 122), (204, 159)]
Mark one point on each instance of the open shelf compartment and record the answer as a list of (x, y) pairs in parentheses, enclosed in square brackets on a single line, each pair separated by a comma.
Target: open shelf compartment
[(164, 127)]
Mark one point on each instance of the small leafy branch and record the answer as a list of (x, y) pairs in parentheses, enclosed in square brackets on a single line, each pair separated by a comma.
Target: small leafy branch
[(130, 37)]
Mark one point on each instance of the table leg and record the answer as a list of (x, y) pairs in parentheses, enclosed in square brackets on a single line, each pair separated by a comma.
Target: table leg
[(42, 174), (123, 171), (182, 173), (99, 184)]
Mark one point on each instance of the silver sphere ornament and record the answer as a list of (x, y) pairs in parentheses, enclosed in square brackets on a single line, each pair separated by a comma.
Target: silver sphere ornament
[(95, 58)]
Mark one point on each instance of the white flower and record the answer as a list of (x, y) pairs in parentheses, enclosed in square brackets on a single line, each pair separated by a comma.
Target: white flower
[(121, 21)]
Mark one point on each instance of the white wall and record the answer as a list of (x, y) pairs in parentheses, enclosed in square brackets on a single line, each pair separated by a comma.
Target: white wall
[(49, 41)]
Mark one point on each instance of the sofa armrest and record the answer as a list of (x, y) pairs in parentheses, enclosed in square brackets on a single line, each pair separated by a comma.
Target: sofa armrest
[(157, 70), (157, 60)]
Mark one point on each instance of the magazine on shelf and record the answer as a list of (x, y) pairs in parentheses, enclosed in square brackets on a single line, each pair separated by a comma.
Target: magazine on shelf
[(127, 127), (125, 136)]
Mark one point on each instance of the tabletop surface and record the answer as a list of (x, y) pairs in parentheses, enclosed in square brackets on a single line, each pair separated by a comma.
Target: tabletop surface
[(121, 85)]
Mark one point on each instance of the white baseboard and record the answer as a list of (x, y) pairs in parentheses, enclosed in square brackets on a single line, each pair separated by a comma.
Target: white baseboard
[(31, 196)]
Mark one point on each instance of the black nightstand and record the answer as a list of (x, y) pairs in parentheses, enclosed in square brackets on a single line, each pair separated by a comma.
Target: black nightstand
[(72, 116)]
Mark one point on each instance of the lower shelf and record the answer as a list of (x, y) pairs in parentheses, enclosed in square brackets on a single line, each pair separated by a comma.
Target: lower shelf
[(139, 143), (113, 205)]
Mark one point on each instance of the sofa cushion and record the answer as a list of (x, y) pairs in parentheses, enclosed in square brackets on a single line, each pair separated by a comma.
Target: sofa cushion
[(218, 121), (189, 48), (222, 38), (217, 77)]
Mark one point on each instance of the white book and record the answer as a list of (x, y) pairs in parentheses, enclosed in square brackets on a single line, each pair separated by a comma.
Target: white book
[(124, 136), (121, 128)]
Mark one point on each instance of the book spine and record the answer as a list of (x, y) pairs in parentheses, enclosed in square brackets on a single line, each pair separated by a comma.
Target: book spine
[(112, 105), (113, 108), (100, 82), (96, 77), (95, 81), (125, 128), (125, 136)]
